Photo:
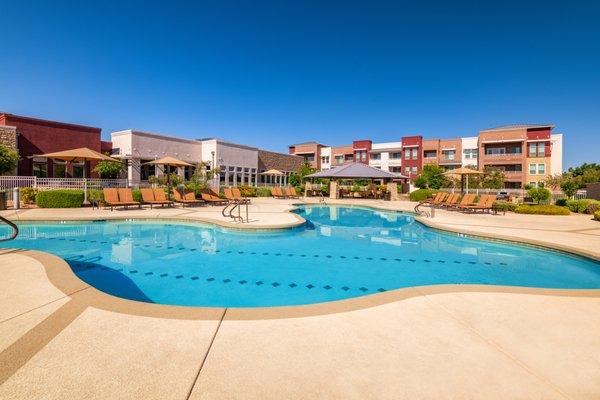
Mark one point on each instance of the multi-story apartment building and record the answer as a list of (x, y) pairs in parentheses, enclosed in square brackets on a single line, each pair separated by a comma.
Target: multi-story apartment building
[(527, 154)]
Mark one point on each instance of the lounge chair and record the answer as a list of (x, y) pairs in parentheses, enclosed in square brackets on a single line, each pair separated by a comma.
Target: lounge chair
[(229, 195), (484, 204), (290, 192), (277, 193), (185, 198), (238, 196), (451, 200), (148, 197), (111, 198), (210, 198), (126, 197), (465, 201), (159, 195)]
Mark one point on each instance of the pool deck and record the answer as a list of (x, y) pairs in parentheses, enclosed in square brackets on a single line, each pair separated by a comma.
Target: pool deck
[(61, 339)]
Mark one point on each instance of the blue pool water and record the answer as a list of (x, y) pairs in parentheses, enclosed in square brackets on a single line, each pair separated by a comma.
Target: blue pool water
[(342, 252)]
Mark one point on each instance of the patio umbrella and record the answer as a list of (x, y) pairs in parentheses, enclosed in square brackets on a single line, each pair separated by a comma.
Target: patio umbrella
[(169, 162), (463, 172), (83, 155)]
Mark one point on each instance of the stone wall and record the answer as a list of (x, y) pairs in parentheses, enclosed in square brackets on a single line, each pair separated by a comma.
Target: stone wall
[(593, 191), (282, 162)]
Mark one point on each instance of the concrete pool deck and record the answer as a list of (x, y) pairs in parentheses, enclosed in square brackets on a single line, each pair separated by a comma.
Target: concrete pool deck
[(60, 338)]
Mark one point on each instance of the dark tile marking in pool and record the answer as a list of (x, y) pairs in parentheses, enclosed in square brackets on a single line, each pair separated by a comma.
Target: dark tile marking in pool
[(163, 275), (345, 288), (292, 285), (457, 262), (194, 278), (275, 284), (310, 286), (328, 256), (210, 279), (226, 280), (342, 256), (265, 254), (133, 271), (240, 252), (327, 287), (356, 258), (487, 263), (412, 260), (369, 258), (149, 273), (472, 262), (383, 259), (179, 277), (277, 254), (427, 261), (62, 239), (441, 261), (181, 248), (193, 249), (302, 255), (259, 283), (316, 255), (243, 282), (397, 259), (502, 263), (363, 289), (381, 290)]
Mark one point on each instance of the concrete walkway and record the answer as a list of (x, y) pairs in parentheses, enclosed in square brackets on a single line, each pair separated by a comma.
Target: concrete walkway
[(429, 343)]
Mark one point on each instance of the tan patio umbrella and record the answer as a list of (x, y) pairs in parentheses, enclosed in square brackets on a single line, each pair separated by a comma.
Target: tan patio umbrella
[(169, 162), (463, 172), (273, 172), (82, 154)]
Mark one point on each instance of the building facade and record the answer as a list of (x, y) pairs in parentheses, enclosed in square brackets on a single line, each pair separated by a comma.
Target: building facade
[(236, 164), (527, 154), (34, 136)]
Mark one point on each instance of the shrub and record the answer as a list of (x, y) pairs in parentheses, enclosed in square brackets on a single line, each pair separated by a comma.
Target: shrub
[(581, 206), (64, 198), (137, 195), (421, 194), (569, 186), (597, 215), (539, 194), (96, 196), (247, 191), (28, 195), (542, 209), (299, 190), (263, 192), (561, 202), (503, 206), (8, 159)]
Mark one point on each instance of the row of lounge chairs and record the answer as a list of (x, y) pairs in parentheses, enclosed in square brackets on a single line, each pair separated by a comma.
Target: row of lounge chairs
[(284, 193), (453, 201), (153, 197)]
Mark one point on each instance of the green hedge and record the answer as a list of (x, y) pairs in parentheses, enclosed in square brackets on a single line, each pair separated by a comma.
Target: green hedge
[(597, 215), (587, 206), (503, 206), (247, 191), (542, 209), (421, 194), (59, 198), (561, 202), (263, 192)]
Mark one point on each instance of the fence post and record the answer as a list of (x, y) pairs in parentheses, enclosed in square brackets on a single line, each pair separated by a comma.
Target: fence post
[(35, 181)]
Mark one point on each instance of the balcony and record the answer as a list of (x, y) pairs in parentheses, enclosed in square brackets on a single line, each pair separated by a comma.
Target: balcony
[(514, 158), (430, 160), (513, 176)]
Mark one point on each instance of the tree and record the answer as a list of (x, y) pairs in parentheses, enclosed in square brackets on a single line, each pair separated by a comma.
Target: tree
[(432, 177), (200, 178), (569, 186), (493, 178), (297, 177), (8, 159), (108, 169), (539, 194)]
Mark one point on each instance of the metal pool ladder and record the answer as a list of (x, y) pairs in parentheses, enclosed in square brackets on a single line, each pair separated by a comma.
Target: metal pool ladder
[(229, 209), (15, 230)]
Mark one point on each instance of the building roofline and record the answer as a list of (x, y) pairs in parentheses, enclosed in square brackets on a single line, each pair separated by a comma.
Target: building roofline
[(153, 135), (47, 122), (517, 126)]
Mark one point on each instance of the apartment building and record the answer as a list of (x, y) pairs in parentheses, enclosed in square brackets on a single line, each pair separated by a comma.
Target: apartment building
[(526, 153)]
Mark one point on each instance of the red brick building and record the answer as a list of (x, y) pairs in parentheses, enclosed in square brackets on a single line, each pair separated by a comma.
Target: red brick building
[(38, 136)]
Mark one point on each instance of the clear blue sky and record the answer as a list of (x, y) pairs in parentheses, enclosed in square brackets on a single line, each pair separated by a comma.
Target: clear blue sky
[(273, 73)]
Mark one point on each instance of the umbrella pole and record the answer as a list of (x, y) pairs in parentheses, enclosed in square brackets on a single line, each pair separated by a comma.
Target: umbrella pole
[(85, 193)]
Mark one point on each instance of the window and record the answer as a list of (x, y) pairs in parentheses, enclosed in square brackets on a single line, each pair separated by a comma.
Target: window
[(533, 184), (77, 170), (469, 154), (397, 156), (60, 169), (361, 155), (407, 170), (339, 160), (325, 160), (474, 153), (395, 169), (430, 154), (449, 154), (406, 154), (309, 157), (375, 156), (541, 169), (532, 150), (414, 170), (349, 157), (532, 169), (541, 149), (415, 154), (40, 169)]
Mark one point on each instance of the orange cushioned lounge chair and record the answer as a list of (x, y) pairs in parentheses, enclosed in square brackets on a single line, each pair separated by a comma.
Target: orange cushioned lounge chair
[(149, 197)]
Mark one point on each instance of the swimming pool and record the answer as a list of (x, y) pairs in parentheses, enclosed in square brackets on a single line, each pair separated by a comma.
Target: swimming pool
[(341, 252)]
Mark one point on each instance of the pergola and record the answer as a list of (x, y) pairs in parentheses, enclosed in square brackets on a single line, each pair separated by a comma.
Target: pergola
[(356, 171)]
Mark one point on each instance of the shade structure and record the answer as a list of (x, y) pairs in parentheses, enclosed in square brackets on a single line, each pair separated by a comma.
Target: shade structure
[(463, 172), (272, 172), (170, 161), (356, 171), (81, 154)]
